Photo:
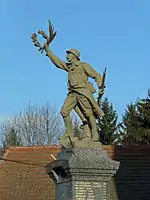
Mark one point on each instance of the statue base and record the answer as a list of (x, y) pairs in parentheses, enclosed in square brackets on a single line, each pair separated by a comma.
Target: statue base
[(72, 142), (83, 171)]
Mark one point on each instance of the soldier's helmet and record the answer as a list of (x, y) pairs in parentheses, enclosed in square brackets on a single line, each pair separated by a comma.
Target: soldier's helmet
[(75, 52)]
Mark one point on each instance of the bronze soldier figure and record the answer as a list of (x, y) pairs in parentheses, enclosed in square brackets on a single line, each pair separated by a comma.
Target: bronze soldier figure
[(80, 90)]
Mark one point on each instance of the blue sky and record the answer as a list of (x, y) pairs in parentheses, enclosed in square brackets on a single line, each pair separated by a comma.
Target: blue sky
[(116, 33)]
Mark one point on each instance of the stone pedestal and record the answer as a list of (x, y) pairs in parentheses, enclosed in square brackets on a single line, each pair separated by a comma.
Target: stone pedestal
[(82, 173)]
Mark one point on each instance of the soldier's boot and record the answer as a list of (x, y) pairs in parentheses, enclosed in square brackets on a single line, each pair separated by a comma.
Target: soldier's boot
[(95, 135), (68, 124), (86, 130)]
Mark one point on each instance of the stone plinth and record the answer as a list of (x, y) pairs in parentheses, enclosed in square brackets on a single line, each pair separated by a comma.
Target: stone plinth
[(82, 173)]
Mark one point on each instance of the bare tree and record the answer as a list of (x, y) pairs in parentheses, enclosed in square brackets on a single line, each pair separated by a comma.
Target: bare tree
[(35, 125)]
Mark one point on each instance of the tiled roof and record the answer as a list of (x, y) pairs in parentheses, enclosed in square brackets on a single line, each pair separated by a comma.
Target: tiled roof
[(23, 176)]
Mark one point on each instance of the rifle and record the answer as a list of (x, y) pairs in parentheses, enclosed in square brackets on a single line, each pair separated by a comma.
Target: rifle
[(99, 101)]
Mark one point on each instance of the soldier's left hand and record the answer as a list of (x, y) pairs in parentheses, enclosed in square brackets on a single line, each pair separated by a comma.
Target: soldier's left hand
[(101, 91)]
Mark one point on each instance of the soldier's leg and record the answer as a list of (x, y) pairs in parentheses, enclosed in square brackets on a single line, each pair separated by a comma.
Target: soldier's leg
[(95, 135), (85, 125), (88, 112), (67, 107)]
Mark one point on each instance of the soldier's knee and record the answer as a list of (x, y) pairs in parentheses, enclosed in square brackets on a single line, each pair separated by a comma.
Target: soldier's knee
[(64, 112)]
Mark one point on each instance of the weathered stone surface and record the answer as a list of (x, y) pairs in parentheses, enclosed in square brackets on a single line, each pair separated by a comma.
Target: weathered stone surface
[(86, 171)]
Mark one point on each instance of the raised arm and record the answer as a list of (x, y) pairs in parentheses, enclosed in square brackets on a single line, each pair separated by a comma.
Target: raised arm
[(56, 61), (93, 74)]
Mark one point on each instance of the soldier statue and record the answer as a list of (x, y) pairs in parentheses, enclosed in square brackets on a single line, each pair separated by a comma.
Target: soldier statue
[(80, 90)]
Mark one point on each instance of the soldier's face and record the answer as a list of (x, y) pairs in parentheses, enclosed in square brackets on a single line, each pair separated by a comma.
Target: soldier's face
[(70, 57)]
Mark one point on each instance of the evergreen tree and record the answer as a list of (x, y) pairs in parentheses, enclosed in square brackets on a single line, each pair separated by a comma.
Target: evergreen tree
[(135, 126), (143, 107), (130, 126), (11, 138), (107, 126)]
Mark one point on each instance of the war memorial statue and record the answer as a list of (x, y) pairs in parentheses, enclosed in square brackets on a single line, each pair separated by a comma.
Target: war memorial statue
[(82, 169), (80, 90)]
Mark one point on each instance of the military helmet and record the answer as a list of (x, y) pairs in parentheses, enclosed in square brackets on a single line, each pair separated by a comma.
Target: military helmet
[(75, 52)]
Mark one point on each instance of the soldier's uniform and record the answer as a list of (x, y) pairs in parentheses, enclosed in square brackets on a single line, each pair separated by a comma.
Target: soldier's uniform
[(80, 95), (80, 90)]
